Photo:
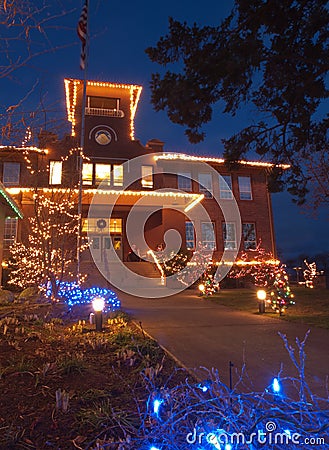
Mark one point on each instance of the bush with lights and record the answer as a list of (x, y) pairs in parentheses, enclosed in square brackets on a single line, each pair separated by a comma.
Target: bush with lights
[(74, 295), (310, 274), (202, 415), (263, 270)]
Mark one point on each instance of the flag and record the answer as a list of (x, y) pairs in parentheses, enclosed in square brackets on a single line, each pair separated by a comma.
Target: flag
[(82, 33)]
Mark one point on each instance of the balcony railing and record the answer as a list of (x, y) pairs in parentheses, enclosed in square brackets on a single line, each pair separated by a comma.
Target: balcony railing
[(104, 112)]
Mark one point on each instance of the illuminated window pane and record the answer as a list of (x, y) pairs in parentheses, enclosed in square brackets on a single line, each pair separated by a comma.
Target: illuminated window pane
[(55, 172), (87, 174), (229, 236), (208, 235), (115, 225), (189, 235), (225, 187), (184, 181), (103, 173), (117, 175), (147, 176), (205, 184), (102, 225), (249, 236), (245, 188), (11, 171)]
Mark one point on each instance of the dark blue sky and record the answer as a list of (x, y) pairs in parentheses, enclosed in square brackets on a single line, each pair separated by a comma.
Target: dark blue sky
[(120, 33)]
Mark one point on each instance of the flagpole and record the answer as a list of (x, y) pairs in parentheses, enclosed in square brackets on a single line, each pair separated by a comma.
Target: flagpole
[(84, 36)]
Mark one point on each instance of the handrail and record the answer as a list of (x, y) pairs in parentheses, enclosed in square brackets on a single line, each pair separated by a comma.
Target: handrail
[(104, 112)]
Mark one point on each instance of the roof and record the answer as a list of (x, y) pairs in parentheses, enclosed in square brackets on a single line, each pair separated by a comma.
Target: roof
[(6, 198), (208, 159)]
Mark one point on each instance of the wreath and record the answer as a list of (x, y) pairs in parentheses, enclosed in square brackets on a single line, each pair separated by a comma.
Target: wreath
[(101, 223)]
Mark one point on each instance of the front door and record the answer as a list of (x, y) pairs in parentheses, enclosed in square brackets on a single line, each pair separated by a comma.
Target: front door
[(101, 247), (104, 236)]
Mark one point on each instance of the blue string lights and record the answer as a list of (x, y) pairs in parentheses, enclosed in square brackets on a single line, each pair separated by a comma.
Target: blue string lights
[(276, 386), (73, 295), (156, 406)]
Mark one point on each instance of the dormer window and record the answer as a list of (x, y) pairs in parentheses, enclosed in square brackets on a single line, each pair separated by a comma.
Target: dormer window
[(103, 106)]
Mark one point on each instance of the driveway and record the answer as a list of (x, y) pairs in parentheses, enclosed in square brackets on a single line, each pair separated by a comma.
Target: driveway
[(200, 333)]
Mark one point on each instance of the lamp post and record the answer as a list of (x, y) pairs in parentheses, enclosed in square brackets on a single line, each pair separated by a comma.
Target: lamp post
[(98, 305), (261, 295)]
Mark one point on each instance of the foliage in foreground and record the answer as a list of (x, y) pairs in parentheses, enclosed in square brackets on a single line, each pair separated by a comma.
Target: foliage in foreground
[(117, 390), (208, 415)]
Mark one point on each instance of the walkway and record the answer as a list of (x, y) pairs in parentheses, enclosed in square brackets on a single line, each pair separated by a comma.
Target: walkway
[(200, 333)]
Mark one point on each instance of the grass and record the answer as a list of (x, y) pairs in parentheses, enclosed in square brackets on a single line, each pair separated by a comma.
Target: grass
[(311, 308)]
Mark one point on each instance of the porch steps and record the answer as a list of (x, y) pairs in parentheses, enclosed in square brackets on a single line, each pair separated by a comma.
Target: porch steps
[(144, 268), (113, 273)]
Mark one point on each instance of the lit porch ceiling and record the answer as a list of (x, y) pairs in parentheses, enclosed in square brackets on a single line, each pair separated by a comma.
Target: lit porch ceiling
[(164, 198)]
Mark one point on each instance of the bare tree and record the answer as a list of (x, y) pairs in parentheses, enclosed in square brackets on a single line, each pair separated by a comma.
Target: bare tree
[(48, 256), (29, 30)]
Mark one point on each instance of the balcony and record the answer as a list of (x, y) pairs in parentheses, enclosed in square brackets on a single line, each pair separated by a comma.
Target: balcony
[(104, 112)]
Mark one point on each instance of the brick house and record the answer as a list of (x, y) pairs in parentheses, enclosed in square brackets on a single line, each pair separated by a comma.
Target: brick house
[(131, 174)]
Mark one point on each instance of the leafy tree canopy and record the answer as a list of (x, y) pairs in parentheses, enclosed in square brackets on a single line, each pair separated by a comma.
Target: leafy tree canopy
[(270, 54)]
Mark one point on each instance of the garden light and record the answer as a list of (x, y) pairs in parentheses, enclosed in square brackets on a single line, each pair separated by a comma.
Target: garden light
[(201, 287), (98, 305), (261, 294)]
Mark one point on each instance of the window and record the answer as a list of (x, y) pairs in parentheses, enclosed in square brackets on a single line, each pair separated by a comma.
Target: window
[(55, 172), (94, 174), (208, 235), (225, 187), (100, 225), (10, 232), (147, 177), (11, 172), (117, 175), (102, 103), (103, 174), (189, 235), (205, 184), (249, 236), (87, 174), (229, 236), (184, 181), (245, 188)]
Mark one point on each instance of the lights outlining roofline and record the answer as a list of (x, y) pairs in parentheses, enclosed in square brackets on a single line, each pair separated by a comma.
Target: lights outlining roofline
[(10, 201), (43, 151), (194, 198), (15, 191), (206, 159), (71, 99)]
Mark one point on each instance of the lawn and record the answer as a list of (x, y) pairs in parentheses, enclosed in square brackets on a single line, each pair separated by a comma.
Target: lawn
[(311, 308)]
